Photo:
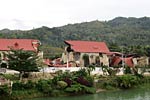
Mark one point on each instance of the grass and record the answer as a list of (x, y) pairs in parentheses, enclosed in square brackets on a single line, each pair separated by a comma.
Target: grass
[(10, 76)]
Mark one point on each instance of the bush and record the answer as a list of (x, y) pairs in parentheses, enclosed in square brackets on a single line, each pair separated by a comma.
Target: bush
[(78, 88), (127, 70), (89, 90), (11, 76), (68, 81), (83, 81), (4, 90), (56, 93), (29, 85), (61, 84), (127, 81), (81, 72), (74, 88), (44, 86), (17, 86)]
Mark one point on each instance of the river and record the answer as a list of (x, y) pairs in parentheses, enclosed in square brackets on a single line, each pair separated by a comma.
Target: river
[(132, 94)]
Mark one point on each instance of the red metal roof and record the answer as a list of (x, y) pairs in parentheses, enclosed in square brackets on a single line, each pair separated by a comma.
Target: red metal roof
[(128, 61), (25, 44), (88, 46)]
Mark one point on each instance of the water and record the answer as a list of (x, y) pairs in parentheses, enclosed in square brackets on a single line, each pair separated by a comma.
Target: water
[(133, 94)]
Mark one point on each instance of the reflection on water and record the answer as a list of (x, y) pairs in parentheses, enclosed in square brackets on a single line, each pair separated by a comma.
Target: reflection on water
[(133, 94)]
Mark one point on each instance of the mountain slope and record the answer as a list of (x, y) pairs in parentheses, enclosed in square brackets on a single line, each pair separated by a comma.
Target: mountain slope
[(120, 31)]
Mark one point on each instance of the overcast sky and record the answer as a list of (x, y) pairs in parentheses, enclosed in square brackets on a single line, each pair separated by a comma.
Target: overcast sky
[(29, 14)]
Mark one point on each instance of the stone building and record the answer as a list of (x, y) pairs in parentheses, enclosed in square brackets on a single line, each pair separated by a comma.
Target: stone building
[(83, 53)]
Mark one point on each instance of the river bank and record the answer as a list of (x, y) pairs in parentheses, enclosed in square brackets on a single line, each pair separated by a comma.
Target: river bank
[(72, 84), (129, 94)]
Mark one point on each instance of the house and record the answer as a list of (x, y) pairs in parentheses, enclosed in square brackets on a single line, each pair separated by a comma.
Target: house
[(25, 44), (130, 60), (84, 53), (119, 61)]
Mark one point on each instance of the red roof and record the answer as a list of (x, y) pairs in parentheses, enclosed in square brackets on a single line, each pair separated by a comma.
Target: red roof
[(25, 44), (88, 46), (115, 61), (128, 61)]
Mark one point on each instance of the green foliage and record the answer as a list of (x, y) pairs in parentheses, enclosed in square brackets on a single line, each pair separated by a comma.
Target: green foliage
[(22, 61), (127, 70), (44, 86), (108, 83), (127, 81), (4, 90), (109, 70), (90, 68), (90, 90), (23, 86), (23, 94), (116, 32), (17, 86), (11, 77), (29, 85), (81, 72), (3, 65), (61, 84), (78, 88), (56, 93), (51, 52)]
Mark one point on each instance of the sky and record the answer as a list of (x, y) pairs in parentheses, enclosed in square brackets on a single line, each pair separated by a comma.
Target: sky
[(29, 14)]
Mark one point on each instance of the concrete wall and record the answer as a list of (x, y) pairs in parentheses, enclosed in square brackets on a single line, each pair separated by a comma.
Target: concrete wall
[(78, 58)]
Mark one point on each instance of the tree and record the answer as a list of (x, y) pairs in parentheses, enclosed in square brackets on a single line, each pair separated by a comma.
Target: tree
[(22, 61)]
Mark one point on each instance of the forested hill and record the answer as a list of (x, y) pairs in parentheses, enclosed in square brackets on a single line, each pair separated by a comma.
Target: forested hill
[(120, 31)]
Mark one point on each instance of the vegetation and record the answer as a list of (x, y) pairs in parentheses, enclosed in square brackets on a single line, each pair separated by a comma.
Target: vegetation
[(121, 34), (126, 81), (70, 83), (67, 83), (22, 61), (121, 31)]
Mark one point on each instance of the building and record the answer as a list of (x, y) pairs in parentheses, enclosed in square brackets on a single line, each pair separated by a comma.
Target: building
[(25, 44), (84, 53), (118, 59)]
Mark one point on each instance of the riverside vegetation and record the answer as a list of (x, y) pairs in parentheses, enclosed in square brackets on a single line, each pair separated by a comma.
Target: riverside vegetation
[(69, 83)]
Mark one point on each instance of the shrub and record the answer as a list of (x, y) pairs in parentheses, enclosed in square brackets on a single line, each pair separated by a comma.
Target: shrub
[(44, 86), (56, 93), (74, 88), (90, 90), (61, 84), (81, 72), (4, 90), (29, 85), (83, 81), (17, 86), (127, 81), (127, 70), (78, 88), (68, 81), (11, 76)]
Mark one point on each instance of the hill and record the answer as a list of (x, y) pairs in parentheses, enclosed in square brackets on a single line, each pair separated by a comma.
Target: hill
[(119, 31)]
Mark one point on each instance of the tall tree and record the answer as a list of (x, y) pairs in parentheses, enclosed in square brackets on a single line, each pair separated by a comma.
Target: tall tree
[(22, 61)]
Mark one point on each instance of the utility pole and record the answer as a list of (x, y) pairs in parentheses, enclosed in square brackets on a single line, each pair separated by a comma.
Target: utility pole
[(67, 59), (122, 58)]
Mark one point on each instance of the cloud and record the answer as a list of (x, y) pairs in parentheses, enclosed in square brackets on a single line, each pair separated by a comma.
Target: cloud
[(26, 14)]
